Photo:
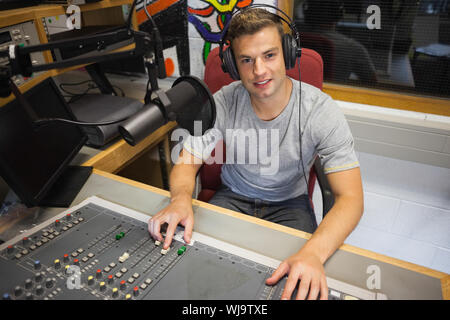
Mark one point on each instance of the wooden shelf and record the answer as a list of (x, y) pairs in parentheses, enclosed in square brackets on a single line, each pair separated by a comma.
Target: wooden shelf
[(36, 13), (15, 16)]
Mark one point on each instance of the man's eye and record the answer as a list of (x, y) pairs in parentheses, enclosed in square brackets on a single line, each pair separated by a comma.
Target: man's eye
[(246, 60), (270, 55)]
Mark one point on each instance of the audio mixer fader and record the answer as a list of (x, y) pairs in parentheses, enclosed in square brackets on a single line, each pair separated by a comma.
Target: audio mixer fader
[(98, 250)]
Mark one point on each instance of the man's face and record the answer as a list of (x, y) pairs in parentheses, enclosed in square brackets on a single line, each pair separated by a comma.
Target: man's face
[(260, 62)]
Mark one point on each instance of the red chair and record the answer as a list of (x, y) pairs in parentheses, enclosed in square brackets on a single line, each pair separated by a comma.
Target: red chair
[(311, 67)]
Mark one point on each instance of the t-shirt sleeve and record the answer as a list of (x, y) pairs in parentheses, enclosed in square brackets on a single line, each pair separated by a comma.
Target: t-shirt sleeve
[(202, 146), (332, 137)]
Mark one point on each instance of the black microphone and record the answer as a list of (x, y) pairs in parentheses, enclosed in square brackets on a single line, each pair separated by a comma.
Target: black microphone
[(189, 100)]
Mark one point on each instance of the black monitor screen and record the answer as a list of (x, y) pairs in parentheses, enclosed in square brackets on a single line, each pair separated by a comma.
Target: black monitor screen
[(32, 159)]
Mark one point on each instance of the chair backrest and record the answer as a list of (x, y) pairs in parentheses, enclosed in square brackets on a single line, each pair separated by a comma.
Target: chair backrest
[(311, 68)]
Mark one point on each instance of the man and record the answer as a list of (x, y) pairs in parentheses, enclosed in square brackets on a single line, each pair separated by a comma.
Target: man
[(268, 101)]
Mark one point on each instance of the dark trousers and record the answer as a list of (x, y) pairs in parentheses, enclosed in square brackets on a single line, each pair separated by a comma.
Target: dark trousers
[(295, 213)]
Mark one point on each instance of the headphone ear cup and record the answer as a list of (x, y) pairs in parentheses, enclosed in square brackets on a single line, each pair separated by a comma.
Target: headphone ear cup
[(229, 65), (289, 51)]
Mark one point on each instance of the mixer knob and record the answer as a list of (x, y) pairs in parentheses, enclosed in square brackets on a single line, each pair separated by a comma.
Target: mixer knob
[(28, 283), (49, 282), (29, 296), (115, 292), (57, 264), (39, 290), (38, 277), (10, 249), (102, 286), (68, 217), (123, 285), (98, 274), (90, 280), (136, 291), (18, 291), (110, 279), (66, 257), (37, 265)]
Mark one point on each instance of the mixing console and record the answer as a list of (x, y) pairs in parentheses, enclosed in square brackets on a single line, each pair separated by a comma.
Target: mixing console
[(98, 250)]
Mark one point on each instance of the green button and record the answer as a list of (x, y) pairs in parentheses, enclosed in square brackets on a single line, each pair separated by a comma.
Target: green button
[(21, 44), (181, 250), (118, 236), (122, 234)]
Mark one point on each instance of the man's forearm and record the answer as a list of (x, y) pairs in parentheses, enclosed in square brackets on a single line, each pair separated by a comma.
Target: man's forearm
[(335, 227), (182, 183)]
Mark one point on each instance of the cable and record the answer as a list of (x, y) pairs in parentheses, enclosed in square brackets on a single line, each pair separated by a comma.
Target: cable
[(159, 55), (75, 96), (300, 133)]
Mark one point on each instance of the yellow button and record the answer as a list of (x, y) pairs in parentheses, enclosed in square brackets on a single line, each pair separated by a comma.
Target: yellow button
[(128, 296), (90, 277), (115, 290)]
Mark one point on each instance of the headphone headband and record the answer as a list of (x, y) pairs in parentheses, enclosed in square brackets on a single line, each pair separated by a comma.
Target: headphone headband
[(289, 22)]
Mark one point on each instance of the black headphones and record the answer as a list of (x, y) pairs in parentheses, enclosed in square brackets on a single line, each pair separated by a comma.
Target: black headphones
[(290, 44)]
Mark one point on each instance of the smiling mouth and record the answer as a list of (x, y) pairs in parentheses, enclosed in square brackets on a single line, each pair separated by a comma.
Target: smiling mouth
[(261, 83)]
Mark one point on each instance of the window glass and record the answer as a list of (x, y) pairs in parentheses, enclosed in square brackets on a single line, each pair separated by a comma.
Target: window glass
[(400, 45)]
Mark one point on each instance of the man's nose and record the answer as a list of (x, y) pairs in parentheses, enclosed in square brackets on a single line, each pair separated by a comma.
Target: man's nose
[(259, 67)]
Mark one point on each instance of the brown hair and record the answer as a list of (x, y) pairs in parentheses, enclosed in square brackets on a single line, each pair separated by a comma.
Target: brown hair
[(250, 21)]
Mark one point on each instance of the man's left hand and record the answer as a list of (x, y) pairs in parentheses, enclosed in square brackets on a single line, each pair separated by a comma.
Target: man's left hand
[(307, 268)]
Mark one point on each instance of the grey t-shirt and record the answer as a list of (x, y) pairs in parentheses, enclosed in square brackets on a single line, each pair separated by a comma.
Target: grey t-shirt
[(263, 157)]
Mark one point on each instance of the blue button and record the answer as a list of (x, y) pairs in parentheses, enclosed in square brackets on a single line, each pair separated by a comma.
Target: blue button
[(37, 264), (6, 296)]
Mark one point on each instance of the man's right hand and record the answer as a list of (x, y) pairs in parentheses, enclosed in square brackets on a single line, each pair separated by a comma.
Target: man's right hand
[(177, 212)]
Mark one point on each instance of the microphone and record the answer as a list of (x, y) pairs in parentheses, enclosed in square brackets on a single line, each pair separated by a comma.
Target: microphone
[(188, 100)]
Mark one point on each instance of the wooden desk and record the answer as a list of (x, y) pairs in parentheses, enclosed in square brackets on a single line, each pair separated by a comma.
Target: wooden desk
[(399, 279), (120, 154)]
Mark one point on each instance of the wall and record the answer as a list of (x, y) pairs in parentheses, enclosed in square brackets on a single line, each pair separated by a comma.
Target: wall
[(405, 169), (405, 135)]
